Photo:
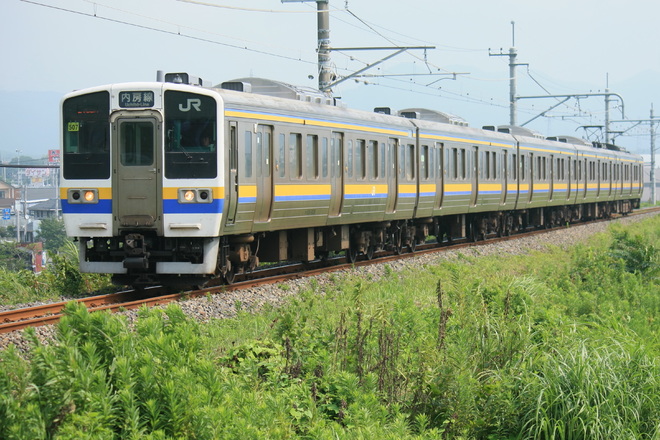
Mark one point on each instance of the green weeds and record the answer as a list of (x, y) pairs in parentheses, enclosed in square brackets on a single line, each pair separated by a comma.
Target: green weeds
[(559, 345)]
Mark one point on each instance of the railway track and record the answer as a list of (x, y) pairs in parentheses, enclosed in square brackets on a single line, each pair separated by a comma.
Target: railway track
[(45, 314)]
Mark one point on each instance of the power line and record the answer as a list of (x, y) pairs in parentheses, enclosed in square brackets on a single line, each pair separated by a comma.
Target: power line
[(236, 8), (179, 34)]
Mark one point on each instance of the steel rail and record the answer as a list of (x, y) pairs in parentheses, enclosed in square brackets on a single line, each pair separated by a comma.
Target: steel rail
[(46, 314)]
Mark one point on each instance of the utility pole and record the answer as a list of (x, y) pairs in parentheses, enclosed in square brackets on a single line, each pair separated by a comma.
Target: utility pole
[(325, 73), (18, 217), (325, 66), (512, 74), (652, 174), (327, 78), (652, 121)]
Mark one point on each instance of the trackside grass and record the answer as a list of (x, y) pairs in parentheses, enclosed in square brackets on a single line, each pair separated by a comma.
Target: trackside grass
[(553, 345)]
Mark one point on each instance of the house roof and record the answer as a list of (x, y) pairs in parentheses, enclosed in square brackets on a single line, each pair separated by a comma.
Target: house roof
[(48, 205)]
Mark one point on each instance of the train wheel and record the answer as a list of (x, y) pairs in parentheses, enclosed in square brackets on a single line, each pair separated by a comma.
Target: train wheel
[(230, 276), (351, 254), (230, 273), (473, 234), (398, 242), (412, 246), (370, 252)]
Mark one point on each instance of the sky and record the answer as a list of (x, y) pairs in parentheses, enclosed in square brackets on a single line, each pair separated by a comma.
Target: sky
[(51, 47)]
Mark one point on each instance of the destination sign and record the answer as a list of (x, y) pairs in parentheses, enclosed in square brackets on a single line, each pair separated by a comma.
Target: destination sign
[(134, 99)]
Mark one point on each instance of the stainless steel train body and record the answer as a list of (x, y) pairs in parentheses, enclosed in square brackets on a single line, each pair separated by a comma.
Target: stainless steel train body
[(174, 183)]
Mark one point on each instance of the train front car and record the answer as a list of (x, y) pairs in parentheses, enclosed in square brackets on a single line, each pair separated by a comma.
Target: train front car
[(142, 181)]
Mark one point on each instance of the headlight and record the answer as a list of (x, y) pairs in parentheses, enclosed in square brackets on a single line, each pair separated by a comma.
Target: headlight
[(83, 196), (195, 195)]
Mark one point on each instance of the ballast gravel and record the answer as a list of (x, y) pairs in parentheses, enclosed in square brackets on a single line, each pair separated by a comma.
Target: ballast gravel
[(228, 304)]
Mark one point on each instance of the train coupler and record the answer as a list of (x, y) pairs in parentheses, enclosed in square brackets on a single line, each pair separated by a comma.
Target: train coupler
[(135, 249)]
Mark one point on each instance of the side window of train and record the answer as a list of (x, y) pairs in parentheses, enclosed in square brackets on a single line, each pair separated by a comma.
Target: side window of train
[(490, 165), (263, 151), (575, 174), (544, 168), (410, 162), (382, 170), (463, 164), (360, 159), (494, 165), (295, 155), (441, 159), (424, 162), (248, 153), (559, 168), (391, 157), (281, 155), (349, 158), (336, 154), (486, 165), (514, 167), (454, 163), (312, 157), (324, 157), (372, 160), (233, 148)]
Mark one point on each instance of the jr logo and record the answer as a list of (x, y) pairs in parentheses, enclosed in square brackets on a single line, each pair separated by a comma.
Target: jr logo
[(191, 103)]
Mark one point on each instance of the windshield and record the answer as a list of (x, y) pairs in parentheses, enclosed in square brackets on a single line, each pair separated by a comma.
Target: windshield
[(190, 135), (86, 140)]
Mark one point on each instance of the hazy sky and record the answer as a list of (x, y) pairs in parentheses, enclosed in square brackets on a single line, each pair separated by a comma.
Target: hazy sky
[(51, 47)]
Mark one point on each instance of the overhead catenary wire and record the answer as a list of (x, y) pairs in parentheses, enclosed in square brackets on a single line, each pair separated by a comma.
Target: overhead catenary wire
[(164, 31), (368, 26)]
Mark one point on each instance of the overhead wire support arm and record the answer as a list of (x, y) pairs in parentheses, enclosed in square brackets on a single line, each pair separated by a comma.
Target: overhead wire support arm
[(652, 121), (397, 50), (545, 111), (606, 94)]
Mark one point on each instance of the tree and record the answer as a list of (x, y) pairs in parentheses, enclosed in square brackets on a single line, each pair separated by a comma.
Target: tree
[(52, 233), (14, 258)]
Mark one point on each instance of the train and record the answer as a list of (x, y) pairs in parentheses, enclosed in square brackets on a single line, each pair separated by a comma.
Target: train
[(176, 181)]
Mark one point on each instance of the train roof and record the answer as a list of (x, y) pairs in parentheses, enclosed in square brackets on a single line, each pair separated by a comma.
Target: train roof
[(260, 93)]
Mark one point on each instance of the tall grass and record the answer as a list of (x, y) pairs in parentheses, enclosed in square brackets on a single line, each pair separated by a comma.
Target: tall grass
[(552, 346), (60, 278)]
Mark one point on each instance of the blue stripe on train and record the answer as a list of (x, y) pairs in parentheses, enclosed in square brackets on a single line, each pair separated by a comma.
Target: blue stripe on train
[(102, 207), (174, 207)]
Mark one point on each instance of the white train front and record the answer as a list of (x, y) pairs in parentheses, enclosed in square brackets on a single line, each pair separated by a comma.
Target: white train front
[(142, 178)]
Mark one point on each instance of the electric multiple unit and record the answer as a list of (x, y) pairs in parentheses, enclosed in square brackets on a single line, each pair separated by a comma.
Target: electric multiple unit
[(174, 183)]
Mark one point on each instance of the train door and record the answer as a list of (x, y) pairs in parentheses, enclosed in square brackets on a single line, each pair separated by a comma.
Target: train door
[(519, 172), (599, 175), (572, 171), (475, 177), (554, 175), (264, 173), (440, 166), (583, 176), (392, 175), (336, 175), (137, 188), (504, 168), (232, 182), (532, 176)]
